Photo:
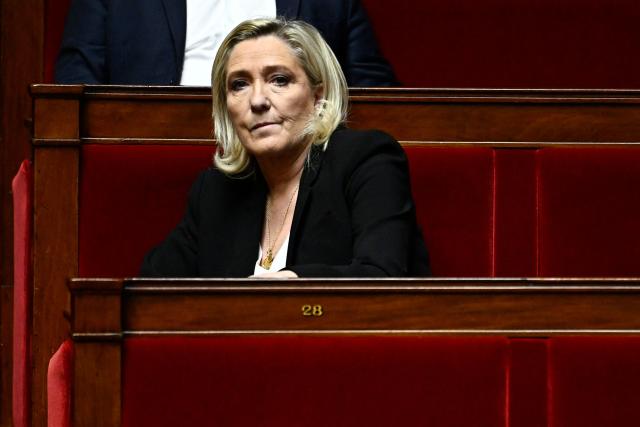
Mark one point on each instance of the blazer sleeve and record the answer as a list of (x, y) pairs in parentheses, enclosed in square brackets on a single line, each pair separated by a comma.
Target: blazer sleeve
[(365, 66), (177, 255), (82, 56), (382, 214)]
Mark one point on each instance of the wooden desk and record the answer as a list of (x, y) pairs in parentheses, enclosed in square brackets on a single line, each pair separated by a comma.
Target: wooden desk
[(106, 311)]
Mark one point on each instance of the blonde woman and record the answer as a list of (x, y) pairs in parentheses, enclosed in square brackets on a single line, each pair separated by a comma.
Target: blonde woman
[(293, 193)]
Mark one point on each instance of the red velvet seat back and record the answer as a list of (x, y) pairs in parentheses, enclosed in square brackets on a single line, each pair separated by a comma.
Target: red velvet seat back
[(314, 381), (453, 189), (130, 198), (484, 212), (589, 211), (22, 188)]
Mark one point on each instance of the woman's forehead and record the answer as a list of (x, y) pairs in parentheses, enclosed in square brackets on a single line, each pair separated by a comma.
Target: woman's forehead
[(265, 51)]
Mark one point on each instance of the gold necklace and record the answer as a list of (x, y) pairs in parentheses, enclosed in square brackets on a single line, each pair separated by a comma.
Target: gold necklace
[(268, 259)]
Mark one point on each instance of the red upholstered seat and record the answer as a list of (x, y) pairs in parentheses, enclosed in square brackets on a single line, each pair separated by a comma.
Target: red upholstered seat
[(22, 188), (314, 381)]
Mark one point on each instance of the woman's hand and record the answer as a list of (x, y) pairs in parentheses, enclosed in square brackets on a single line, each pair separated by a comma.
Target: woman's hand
[(282, 274)]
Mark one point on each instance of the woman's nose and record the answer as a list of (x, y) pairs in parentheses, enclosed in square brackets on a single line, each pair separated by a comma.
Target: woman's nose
[(259, 98)]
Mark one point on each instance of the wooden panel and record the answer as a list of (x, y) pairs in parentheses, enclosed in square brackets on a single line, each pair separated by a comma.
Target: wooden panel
[(62, 118), (98, 296), (148, 118), (500, 122), (408, 114), (55, 259), (503, 306), (96, 385), (429, 310), (96, 321)]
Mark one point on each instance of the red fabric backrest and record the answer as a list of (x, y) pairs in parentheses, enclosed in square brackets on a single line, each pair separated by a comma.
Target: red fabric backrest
[(22, 188), (453, 190), (506, 43), (60, 386), (589, 211), (314, 381), (484, 212), (130, 198)]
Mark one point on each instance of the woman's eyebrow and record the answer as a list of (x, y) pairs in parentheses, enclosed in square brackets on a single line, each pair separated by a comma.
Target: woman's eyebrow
[(237, 73), (273, 68)]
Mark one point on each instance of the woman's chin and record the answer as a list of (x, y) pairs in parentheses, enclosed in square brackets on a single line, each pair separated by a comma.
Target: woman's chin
[(273, 147)]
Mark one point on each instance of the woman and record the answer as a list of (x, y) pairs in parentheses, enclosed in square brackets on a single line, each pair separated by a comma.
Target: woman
[(293, 193)]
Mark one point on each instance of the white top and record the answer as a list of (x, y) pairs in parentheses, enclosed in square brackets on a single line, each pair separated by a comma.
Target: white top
[(208, 23), (279, 261)]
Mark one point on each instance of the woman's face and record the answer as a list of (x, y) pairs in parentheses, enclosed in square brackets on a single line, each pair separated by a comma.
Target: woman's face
[(269, 96)]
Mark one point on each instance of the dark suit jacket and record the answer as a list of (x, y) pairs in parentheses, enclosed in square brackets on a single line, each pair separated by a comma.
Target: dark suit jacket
[(354, 217), (142, 41)]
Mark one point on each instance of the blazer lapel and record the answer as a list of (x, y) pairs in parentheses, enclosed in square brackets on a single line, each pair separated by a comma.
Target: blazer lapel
[(309, 176), (249, 220), (288, 8), (176, 11)]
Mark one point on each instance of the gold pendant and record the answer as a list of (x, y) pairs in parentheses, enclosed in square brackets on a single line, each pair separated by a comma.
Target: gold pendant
[(268, 260)]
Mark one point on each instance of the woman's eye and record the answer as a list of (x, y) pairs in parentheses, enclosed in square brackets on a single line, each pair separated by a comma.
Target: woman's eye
[(237, 85), (280, 80)]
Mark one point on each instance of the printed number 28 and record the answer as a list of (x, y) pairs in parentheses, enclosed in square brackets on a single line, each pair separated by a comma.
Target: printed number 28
[(312, 310)]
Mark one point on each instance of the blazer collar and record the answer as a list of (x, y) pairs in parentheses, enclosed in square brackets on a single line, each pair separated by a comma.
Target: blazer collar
[(249, 220), (176, 12), (288, 8)]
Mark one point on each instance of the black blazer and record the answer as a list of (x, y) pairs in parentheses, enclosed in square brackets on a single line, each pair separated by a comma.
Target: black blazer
[(354, 217), (142, 41)]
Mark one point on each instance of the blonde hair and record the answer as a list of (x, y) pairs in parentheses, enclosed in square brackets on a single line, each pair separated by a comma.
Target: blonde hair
[(319, 64)]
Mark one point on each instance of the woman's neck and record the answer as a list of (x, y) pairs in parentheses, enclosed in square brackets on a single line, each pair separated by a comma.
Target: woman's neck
[(283, 173)]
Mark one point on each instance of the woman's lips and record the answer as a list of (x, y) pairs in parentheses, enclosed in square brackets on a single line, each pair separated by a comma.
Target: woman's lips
[(261, 125)]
